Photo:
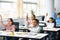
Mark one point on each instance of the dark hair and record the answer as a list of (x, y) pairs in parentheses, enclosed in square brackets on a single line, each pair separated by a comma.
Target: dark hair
[(36, 20), (11, 20), (58, 13), (52, 19), (34, 16), (32, 13)]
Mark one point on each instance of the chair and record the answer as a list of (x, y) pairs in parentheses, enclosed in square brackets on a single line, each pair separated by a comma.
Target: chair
[(16, 29), (42, 24), (17, 26)]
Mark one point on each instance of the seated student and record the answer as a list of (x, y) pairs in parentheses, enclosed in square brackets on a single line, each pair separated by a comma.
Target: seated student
[(58, 23), (51, 23), (58, 20), (9, 27), (28, 20), (34, 26)]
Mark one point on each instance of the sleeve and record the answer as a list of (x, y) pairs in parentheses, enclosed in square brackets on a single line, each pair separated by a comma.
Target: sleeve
[(13, 28), (38, 30), (2, 24), (35, 30), (27, 23)]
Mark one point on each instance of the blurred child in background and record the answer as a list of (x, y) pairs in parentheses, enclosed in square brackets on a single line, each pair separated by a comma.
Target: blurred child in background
[(51, 23), (34, 26), (29, 19), (58, 20)]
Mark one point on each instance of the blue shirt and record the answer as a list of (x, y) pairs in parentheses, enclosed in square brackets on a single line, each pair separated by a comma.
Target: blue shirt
[(58, 21)]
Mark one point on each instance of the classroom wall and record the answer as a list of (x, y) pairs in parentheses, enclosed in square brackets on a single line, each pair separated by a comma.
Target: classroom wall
[(57, 5)]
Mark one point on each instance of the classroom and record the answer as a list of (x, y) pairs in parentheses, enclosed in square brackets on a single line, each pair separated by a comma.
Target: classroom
[(29, 20)]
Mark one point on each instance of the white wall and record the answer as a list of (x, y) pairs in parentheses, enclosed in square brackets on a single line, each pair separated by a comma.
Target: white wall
[(57, 5)]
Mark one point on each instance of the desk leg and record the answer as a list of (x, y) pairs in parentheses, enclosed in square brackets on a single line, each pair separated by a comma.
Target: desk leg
[(49, 35), (57, 35)]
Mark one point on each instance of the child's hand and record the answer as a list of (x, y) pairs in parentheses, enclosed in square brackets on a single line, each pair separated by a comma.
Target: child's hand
[(27, 16)]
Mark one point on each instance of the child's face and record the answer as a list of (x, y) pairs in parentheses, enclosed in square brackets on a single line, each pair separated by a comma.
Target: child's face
[(50, 20), (9, 22), (34, 23), (58, 16)]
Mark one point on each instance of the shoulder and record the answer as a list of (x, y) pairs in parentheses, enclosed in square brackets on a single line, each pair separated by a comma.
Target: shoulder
[(58, 19)]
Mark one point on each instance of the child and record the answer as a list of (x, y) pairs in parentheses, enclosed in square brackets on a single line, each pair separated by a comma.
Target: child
[(58, 23), (51, 23), (28, 22), (31, 18), (34, 26), (9, 27), (58, 20)]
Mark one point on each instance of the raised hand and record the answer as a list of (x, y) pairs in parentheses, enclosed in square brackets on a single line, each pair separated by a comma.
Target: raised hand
[(27, 17)]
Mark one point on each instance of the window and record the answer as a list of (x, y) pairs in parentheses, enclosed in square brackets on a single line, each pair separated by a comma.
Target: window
[(30, 1), (8, 9), (29, 5)]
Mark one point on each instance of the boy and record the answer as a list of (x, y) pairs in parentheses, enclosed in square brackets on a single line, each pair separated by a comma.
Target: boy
[(58, 23), (58, 20), (34, 27)]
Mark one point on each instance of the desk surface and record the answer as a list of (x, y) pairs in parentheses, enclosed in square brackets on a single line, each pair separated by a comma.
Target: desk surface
[(24, 34), (51, 29), (44, 28)]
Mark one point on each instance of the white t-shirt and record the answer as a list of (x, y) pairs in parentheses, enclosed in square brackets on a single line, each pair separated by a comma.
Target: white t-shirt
[(34, 29), (50, 25)]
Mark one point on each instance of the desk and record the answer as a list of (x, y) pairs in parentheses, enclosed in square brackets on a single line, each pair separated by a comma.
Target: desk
[(44, 28), (24, 35), (52, 30)]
